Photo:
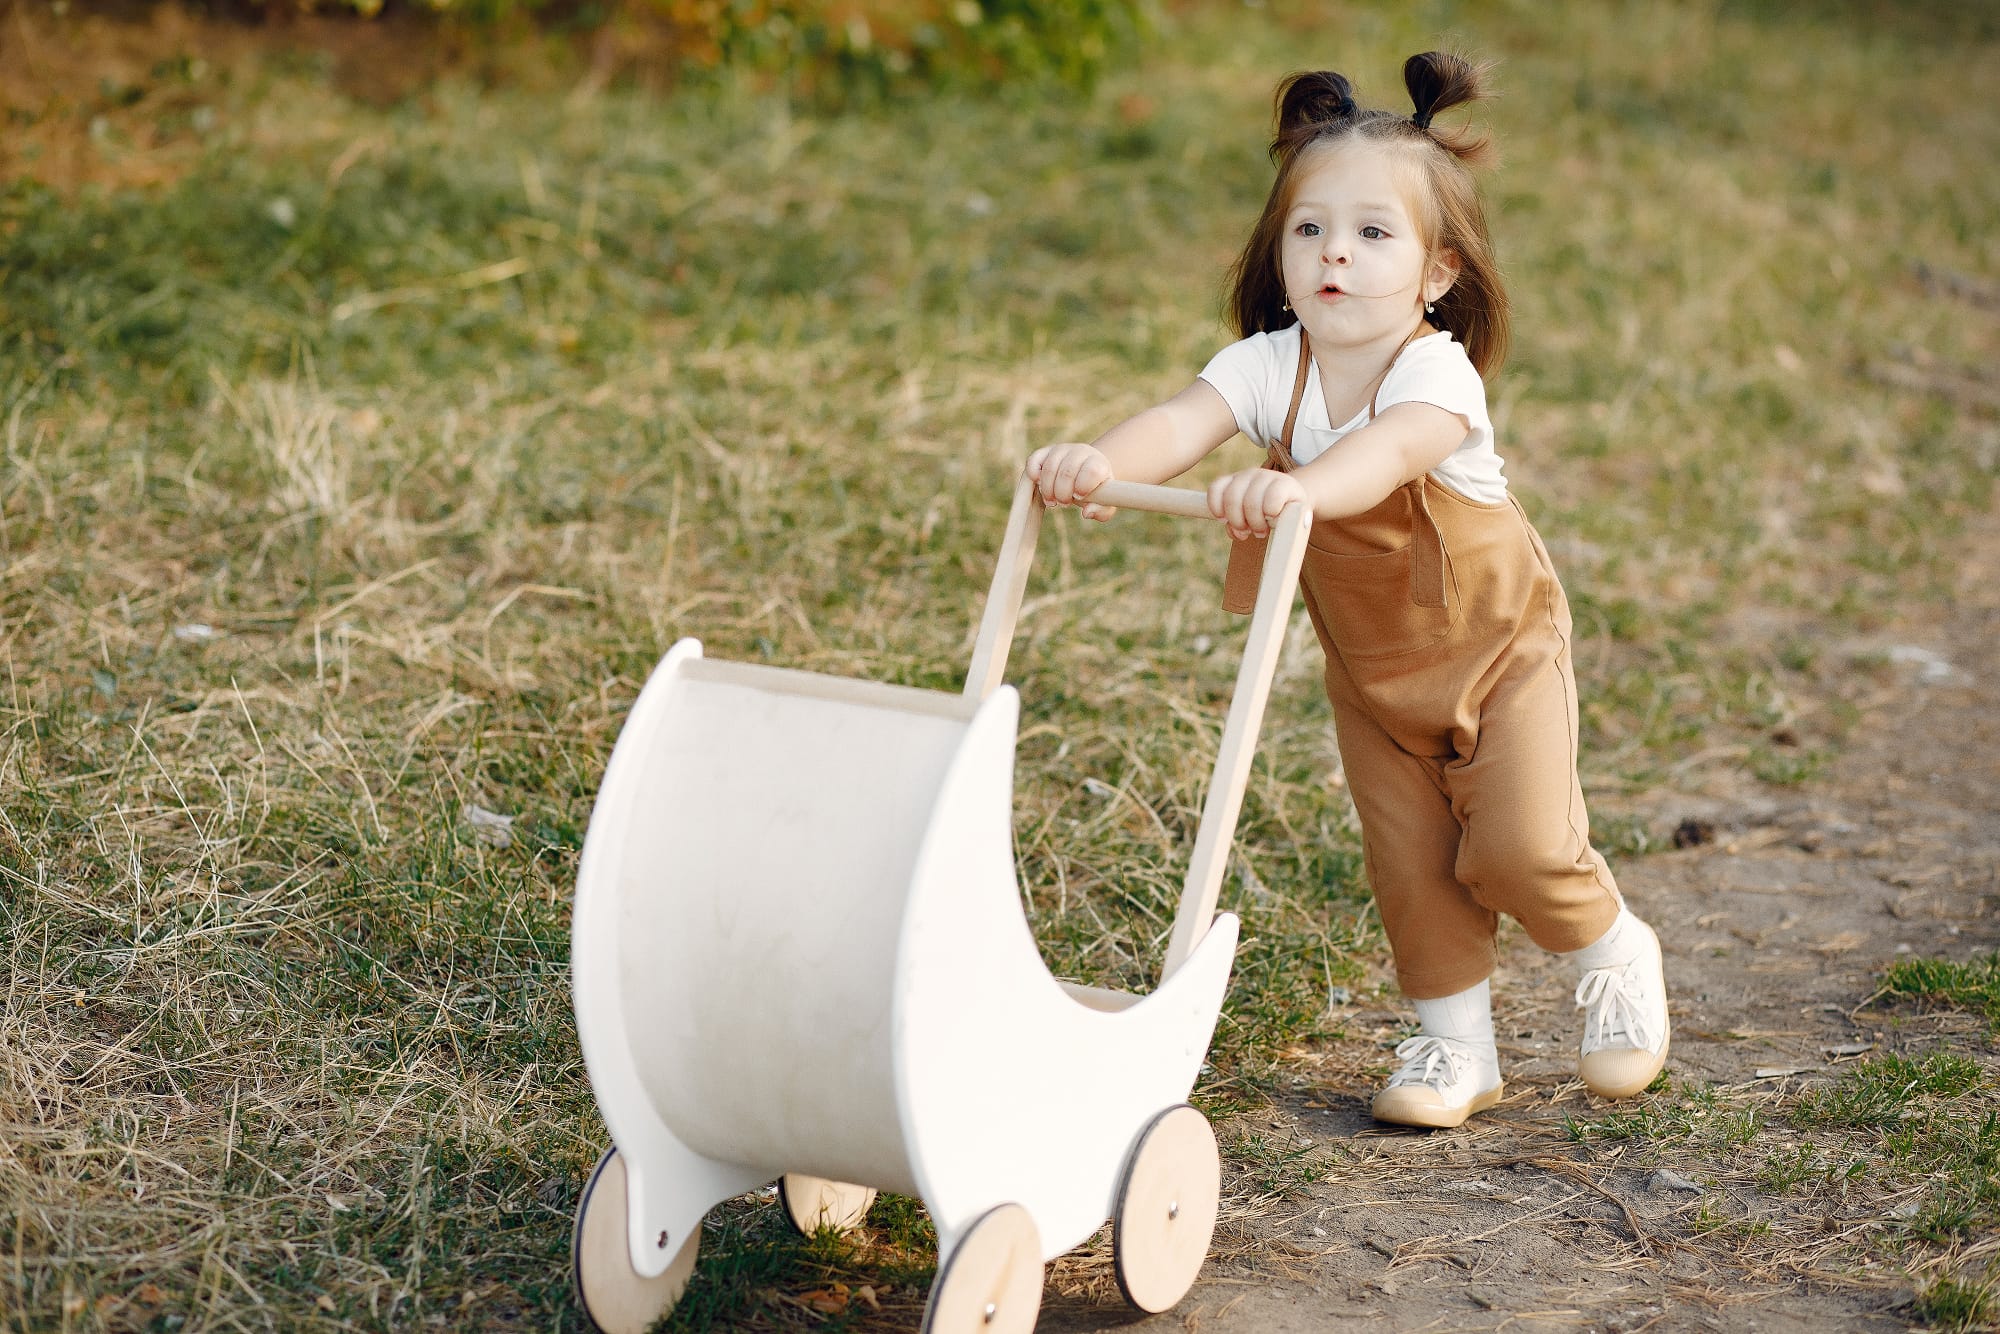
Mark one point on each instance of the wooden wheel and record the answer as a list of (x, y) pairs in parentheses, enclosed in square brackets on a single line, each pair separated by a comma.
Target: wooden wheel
[(1165, 1215), (991, 1283), (613, 1295), (812, 1203)]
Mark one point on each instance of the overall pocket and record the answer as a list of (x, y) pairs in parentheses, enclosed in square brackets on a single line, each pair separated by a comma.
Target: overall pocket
[(1367, 604)]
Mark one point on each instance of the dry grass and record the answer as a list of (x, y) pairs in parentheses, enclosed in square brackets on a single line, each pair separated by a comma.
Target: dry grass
[(358, 478)]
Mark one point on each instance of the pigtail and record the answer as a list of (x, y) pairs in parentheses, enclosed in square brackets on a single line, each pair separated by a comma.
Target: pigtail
[(1439, 82), (1308, 105)]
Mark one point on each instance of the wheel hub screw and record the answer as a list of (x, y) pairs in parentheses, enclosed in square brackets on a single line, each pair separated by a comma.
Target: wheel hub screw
[(662, 1242), (991, 1311), (1173, 1210)]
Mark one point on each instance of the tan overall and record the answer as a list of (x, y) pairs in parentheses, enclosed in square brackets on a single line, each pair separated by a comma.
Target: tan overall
[(1447, 641)]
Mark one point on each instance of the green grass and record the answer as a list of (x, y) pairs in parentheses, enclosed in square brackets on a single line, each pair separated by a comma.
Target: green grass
[(1277, 1168), (1699, 1114), (753, 1262), (1880, 1094), (1932, 1122), (1972, 984), (1952, 1304), (445, 418), (1921, 1135)]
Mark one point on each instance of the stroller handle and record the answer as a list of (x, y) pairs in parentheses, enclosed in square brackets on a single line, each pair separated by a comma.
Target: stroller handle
[(1153, 499), (1276, 589)]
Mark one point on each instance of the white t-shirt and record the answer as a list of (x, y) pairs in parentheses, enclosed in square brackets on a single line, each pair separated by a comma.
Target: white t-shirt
[(1255, 378)]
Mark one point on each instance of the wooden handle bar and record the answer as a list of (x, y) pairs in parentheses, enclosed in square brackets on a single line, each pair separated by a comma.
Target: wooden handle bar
[(1261, 650), (1153, 499)]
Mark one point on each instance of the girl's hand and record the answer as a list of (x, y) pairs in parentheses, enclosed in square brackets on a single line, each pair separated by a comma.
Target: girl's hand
[(1248, 501), (1066, 474)]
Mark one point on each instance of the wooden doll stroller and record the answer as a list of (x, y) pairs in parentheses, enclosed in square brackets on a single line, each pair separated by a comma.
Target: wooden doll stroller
[(799, 952)]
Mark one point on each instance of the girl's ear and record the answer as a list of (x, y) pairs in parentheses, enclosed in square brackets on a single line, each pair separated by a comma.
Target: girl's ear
[(1441, 274)]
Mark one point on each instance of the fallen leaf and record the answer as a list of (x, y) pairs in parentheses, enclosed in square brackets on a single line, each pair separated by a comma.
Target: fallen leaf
[(830, 1301)]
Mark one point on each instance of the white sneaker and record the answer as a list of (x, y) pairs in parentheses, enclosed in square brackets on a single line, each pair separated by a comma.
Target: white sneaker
[(1625, 1025), (1442, 1082)]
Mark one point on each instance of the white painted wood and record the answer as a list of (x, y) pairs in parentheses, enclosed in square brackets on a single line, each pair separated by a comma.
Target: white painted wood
[(669, 1185), (840, 689), (1286, 552), (616, 1298), (1165, 1214), (764, 875), (991, 1283), (1101, 998), (811, 1203), (798, 943), (1008, 1088)]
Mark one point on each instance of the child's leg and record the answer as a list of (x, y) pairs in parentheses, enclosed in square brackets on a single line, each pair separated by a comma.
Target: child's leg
[(1526, 852), (1440, 938)]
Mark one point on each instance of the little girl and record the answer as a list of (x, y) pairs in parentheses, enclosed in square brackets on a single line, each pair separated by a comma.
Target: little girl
[(1370, 307)]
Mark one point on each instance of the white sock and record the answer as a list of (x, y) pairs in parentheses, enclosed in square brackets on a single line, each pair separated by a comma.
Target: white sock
[(1619, 945), (1464, 1017)]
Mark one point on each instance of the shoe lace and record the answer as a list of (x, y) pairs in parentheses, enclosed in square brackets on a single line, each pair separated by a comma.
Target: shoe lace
[(1430, 1060), (1613, 1003)]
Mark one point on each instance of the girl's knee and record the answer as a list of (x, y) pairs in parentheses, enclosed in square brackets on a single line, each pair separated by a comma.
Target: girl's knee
[(1513, 864)]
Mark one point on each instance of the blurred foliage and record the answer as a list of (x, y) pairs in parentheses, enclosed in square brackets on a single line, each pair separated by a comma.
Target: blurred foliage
[(878, 44), (825, 48)]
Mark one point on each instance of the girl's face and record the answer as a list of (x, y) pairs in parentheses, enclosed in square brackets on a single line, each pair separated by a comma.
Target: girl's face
[(1355, 267)]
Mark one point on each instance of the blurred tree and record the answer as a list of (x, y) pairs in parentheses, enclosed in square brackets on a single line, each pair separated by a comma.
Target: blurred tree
[(821, 48)]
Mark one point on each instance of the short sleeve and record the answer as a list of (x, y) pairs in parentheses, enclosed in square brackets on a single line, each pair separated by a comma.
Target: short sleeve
[(1435, 370), (1241, 373)]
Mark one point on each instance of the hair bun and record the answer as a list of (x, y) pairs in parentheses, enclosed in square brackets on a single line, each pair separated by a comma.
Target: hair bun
[(1439, 81), (1312, 100)]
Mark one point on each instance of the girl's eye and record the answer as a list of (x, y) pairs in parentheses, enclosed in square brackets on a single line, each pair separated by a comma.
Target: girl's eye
[(1374, 233), (1308, 229)]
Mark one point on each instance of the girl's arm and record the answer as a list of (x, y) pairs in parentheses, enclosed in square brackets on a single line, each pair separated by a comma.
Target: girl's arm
[(1353, 477), (1162, 442)]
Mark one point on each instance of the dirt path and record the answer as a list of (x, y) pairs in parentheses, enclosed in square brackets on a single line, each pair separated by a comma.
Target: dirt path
[(1776, 930)]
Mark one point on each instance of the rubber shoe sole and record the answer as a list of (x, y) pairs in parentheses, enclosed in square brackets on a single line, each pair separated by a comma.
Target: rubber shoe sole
[(1416, 1105), (1621, 1072)]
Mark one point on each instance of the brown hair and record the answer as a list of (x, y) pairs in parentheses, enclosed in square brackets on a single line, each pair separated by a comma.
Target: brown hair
[(1318, 109)]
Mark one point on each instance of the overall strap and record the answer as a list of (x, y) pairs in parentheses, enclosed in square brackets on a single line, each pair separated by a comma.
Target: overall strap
[(1281, 453), (1246, 558), (1427, 573)]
